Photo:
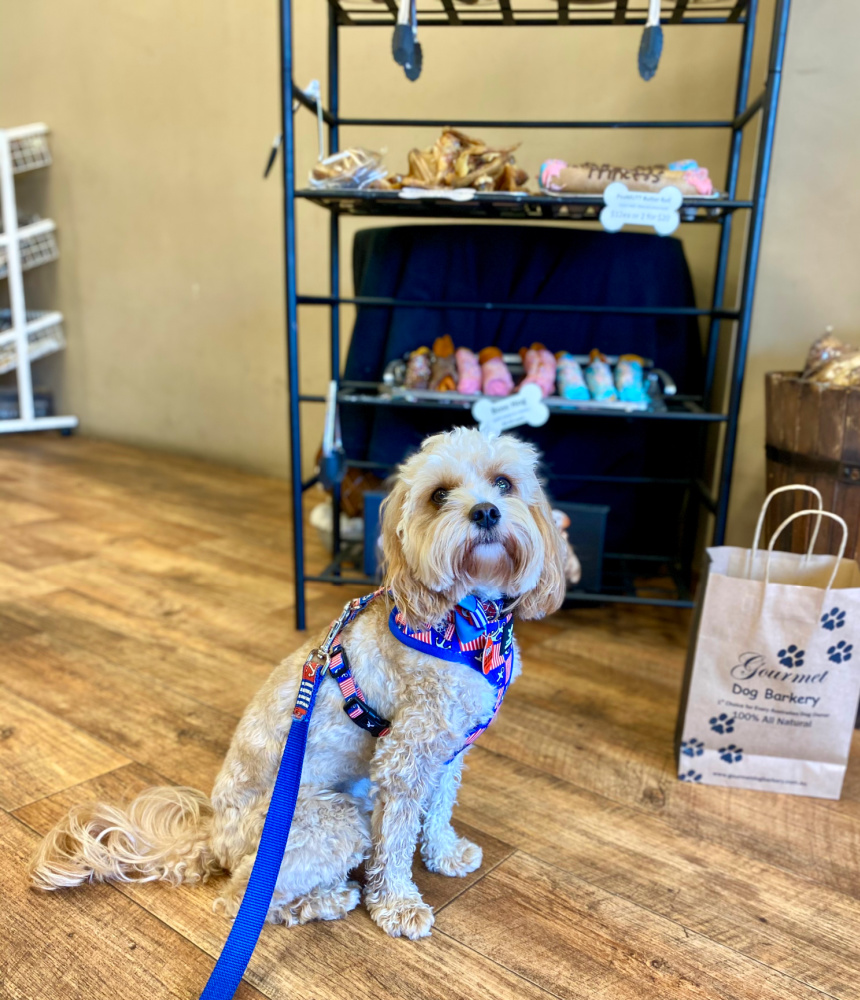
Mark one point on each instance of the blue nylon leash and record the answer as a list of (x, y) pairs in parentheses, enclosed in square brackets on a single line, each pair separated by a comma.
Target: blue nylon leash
[(243, 937)]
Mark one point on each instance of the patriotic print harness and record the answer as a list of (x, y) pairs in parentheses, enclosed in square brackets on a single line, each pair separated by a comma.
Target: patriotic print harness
[(475, 633)]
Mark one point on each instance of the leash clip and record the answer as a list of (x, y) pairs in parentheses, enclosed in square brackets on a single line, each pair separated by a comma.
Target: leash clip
[(319, 659)]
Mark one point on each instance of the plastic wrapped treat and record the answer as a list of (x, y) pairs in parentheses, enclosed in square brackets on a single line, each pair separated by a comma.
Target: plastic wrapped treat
[(496, 378), (443, 374), (539, 364), (832, 360), (468, 371), (418, 369), (569, 377), (598, 378), (558, 177), (630, 379), (349, 169)]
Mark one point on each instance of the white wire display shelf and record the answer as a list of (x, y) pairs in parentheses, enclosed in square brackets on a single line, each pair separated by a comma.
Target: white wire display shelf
[(28, 147), (38, 246), (44, 336)]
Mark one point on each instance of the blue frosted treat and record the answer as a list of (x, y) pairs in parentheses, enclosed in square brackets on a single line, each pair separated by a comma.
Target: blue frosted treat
[(569, 377), (598, 378), (630, 379)]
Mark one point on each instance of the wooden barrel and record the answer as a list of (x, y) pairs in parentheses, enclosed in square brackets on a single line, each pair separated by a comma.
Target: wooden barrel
[(813, 437)]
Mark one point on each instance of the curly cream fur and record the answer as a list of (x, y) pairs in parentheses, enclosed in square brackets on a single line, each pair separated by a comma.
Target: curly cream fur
[(361, 799)]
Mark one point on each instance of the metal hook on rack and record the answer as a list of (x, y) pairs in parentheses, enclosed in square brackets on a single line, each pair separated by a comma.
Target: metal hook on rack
[(313, 93)]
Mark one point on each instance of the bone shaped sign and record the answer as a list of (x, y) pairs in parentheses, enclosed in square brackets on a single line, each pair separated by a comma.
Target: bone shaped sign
[(504, 413), (658, 209)]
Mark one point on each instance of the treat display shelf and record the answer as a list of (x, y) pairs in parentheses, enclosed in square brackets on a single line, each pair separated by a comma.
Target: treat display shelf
[(497, 205), (664, 578)]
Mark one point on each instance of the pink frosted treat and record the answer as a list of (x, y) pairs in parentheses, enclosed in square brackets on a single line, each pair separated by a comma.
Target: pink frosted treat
[(497, 378), (468, 371), (540, 367)]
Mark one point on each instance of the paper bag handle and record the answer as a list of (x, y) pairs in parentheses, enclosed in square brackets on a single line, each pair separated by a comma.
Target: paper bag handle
[(763, 511), (806, 513)]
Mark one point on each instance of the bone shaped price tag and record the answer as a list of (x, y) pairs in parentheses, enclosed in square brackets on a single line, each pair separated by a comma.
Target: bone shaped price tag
[(523, 407), (658, 209)]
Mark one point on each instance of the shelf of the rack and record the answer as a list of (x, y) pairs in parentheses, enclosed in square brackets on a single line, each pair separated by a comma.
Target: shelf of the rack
[(498, 205), (28, 147), (668, 408), (538, 13), (38, 243), (44, 336)]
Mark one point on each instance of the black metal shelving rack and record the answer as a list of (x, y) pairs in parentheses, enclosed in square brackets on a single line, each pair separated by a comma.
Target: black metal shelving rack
[(560, 14)]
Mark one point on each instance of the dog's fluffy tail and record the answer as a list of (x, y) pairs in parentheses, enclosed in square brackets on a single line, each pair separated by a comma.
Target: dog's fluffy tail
[(163, 835)]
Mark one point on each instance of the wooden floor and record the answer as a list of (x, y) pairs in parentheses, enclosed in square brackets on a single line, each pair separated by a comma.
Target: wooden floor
[(144, 598)]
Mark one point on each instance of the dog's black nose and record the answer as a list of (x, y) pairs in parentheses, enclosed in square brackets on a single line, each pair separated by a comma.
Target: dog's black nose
[(485, 515)]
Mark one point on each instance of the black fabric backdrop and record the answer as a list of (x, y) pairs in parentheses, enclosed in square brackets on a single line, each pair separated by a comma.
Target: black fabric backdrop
[(543, 265)]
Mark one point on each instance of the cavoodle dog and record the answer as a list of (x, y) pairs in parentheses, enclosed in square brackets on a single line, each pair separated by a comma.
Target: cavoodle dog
[(466, 526)]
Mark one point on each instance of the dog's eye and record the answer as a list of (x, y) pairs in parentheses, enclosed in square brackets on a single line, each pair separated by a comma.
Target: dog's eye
[(439, 497), (503, 484)]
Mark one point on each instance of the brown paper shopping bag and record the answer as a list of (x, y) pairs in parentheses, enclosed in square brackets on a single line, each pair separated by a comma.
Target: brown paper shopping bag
[(773, 677)]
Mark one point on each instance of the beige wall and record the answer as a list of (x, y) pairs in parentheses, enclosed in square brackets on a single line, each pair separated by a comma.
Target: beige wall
[(171, 273)]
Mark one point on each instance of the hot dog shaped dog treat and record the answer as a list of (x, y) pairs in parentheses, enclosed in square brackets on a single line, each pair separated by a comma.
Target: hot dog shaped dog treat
[(496, 377), (539, 364), (468, 371), (418, 369), (598, 377), (630, 379), (443, 376), (571, 381)]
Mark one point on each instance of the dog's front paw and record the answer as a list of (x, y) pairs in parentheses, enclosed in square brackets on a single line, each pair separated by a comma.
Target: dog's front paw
[(402, 916), (460, 859)]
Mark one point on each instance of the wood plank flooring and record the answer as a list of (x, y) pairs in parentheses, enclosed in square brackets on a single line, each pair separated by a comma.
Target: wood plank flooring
[(145, 597)]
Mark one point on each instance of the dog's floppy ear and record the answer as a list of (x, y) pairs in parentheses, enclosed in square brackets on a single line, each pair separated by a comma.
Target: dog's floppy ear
[(417, 603), (549, 592)]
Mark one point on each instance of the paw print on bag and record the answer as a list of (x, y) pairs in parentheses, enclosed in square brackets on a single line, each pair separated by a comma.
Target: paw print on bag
[(723, 724), (840, 653), (833, 619), (791, 657), (731, 754), (690, 775), (692, 747)]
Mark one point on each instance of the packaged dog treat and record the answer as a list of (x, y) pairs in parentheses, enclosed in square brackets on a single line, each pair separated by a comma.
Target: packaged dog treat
[(443, 374), (468, 371), (539, 364), (350, 168), (598, 378), (831, 360), (418, 369), (557, 177), (630, 379), (497, 380), (570, 380), (457, 160)]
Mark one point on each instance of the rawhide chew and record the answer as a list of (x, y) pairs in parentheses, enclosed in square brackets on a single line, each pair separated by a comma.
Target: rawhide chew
[(468, 371), (558, 177), (630, 379), (458, 161), (443, 372), (598, 378), (570, 380), (497, 380), (539, 364), (418, 369)]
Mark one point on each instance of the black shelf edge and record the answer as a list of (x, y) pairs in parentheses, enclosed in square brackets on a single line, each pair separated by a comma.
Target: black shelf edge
[(495, 123), (684, 410), (495, 205), (382, 302)]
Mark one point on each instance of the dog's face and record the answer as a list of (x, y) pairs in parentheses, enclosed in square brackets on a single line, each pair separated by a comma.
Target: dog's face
[(468, 515)]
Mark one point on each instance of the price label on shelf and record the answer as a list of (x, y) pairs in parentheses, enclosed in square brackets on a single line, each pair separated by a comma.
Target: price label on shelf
[(506, 412), (658, 209)]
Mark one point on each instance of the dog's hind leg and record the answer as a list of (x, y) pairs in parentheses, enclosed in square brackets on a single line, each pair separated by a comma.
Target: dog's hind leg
[(329, 837)]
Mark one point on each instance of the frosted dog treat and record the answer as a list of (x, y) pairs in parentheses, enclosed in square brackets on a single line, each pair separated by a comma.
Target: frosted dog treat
[(630, 379), (468, 371), (418, 369), (443, 374), (569, 377), (558, 177), (598, 378), (497, 380), (539, 364)]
